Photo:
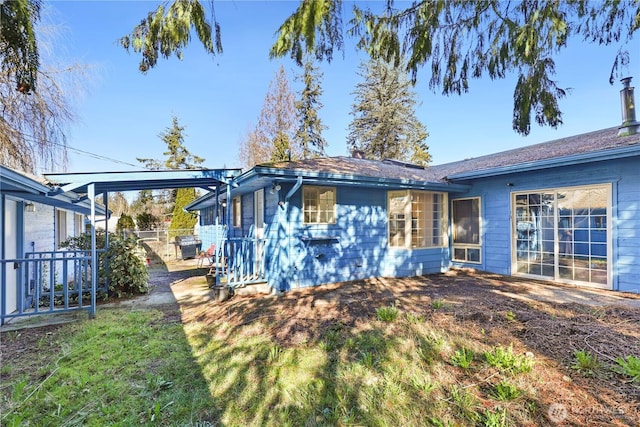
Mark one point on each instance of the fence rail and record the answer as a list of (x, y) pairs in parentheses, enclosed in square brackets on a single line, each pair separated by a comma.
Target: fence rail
[(47, 282)]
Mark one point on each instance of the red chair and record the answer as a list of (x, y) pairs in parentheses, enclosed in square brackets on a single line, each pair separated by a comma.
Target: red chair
[(207, 255)]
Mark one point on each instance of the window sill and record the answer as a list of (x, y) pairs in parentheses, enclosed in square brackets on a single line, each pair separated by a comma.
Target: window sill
[(319, 239)]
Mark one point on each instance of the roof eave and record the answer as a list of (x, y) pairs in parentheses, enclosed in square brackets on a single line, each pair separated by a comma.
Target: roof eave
[(355, 180)]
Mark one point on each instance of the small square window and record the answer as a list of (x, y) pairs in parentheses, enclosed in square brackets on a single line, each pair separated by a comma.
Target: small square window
[(319, 205)]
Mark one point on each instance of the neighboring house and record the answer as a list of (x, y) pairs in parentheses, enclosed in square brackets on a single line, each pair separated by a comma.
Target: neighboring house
[(34, 223), (566, 210)]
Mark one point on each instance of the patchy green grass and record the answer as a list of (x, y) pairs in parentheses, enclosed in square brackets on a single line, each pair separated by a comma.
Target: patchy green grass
[(128, 368), (122, 368)]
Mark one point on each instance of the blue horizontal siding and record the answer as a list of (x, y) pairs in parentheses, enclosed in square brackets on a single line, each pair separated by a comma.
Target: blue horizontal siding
[(623, 174), (358, 247)]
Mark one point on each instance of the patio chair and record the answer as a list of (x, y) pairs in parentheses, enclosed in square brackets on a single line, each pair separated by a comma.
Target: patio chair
[(206, 255)]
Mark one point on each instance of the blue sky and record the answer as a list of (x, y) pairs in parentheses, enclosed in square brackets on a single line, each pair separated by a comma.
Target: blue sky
[(217, 99)]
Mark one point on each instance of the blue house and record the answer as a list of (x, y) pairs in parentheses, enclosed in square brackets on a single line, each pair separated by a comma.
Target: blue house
[(565, 211)]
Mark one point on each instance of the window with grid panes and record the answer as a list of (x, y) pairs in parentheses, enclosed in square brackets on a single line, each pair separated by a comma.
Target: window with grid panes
[(319, 205), (425, 209)]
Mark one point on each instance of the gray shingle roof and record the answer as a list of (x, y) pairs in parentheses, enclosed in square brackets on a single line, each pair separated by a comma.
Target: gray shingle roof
[(593, 142)]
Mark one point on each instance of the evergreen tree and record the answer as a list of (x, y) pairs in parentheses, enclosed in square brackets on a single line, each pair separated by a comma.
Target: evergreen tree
[(147, 221), (310, 127), (150, 209), (182, 222), (384, 123), (178, 157), (272, 140), (125, 224)]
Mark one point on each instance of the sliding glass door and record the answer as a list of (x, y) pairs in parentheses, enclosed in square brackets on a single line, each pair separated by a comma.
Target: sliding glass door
[(563, 234)]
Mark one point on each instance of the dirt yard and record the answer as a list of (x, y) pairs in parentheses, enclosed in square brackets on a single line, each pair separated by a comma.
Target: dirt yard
[(506, 309), (549, 321)]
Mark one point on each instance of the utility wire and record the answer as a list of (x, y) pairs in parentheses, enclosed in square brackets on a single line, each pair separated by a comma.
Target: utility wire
[(97, 156)]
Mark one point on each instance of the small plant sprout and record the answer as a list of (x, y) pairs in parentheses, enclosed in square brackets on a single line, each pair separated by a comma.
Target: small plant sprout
[(504, 359), (585, 362), (387, 314), (495, 418), (463, 358), (437, 303), (630, 367), (510, 316), (423, 383), (465, 403), (274, 354), (505, 391)]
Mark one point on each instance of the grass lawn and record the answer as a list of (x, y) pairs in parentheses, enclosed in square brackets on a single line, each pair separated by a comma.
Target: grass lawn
[(273, 362)]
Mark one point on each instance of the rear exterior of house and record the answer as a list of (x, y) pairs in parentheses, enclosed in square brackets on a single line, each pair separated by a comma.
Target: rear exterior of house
[(565, 211), (574, 223)]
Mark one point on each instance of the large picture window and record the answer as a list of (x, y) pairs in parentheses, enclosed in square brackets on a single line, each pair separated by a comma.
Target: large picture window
[(466, 230), (319, 205), (416, 219)]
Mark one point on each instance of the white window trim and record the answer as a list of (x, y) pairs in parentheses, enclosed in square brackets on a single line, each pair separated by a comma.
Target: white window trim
[(61, 226), (609, 232), (78, 224), (467, 246)]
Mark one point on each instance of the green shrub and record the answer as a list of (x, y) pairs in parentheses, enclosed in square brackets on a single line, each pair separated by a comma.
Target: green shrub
[(127, 273), (125, 224)]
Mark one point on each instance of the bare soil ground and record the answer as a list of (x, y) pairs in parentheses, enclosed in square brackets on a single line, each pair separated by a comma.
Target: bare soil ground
[(500, 310)]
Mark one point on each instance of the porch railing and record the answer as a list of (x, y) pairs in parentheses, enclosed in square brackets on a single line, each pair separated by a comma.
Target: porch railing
[(46, 282), (241, 261)]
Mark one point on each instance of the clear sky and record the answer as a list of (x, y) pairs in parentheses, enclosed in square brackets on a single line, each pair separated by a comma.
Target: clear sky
[(217, 99)]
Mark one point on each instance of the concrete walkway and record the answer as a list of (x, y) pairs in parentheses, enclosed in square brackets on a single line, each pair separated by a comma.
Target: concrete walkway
[(527, 290)]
